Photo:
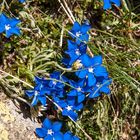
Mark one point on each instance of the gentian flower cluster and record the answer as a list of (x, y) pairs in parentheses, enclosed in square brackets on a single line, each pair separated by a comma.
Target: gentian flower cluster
[(68, 94), (90, 81)]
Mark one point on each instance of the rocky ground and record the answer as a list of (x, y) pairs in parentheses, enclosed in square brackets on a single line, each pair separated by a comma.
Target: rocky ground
[(14, 123)]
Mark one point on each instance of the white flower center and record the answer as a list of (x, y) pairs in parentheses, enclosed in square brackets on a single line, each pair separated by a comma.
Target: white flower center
[(78, 34), (79, 89), (90, 70), (54, 82), (98, 85), (50, 132), (7, 27), (69, 108), (77, 52)]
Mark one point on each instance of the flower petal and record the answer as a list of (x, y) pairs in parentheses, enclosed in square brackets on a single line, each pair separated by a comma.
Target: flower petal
[(68, 136), (78, 107), (8, 34), (76, 27), (13, 22), (3, 18), (105, 89), (41, 132), (96, 60), (48, 137), (84, 37), (107, 4), (71, 45), (42, 99), (1, 28), (85, 28), (72, 93), (56, 126), (65, 112), (73, 115), (58, 136), (86, 60), (81, 73), (94, 94), (91, 79), (15, 30), (47, 124), (100, 71), (81, 98), (117, 2)]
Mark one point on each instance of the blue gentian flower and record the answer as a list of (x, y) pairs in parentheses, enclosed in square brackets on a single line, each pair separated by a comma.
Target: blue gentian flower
[(56, 84), (56, 88), (78, 90), (107, 3), (21, 1), (80, 32), (68, 136), (9, 25), (101, 86), (38, 93), (92, 68), (38, 96), (69, 107), (45, 87), (74, 51), (50, 131)]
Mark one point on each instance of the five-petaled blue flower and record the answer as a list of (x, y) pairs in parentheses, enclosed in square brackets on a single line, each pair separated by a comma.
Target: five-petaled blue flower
[(69, 107), (77, 91), (50, 131), (101, 86), (9, 25), (56, 84), (37, 96), (92, 68), (80, 32), (74, 51), (107, 3), (38, 93), (57, 80)]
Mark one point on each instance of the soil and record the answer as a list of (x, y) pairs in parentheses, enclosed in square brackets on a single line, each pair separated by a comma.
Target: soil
[(14, 123)]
